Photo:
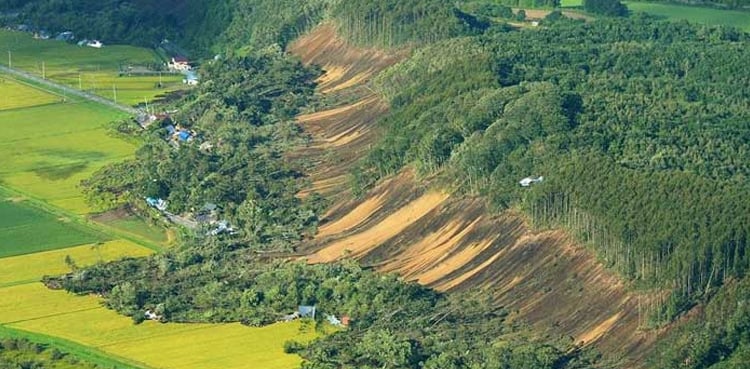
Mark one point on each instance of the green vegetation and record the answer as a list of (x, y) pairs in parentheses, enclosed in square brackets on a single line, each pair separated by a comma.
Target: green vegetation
[(583, 105), (17, 95), (394, 323), (24, 230), (638, 126), (708, 4), (392, 22), (605, 7), (93, 70), (48, 158), (249, 126), (709, 16), (22, 353)]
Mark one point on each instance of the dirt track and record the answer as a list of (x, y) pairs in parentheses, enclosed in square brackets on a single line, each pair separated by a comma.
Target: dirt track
[(446, 242)]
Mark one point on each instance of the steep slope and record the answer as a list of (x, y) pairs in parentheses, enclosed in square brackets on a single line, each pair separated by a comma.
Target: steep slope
[(445, 241)]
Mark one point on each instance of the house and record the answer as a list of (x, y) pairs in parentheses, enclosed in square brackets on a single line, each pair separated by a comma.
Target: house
[(179, 63), (290, 317), (333, 320), (528, 181), (159, 204), (65, 36), (41, 35), (150, 315), (221, 227), (95, 44), (306, 311)]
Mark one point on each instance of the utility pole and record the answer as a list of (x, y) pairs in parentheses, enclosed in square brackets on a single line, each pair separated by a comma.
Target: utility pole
[(114, 92), (10, 60), (44, 71), (80, 85)]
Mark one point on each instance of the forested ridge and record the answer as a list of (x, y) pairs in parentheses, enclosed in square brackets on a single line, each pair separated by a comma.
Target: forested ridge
[(639, 128)]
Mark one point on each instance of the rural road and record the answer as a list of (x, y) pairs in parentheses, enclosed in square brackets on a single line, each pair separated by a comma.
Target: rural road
[(71, 91)]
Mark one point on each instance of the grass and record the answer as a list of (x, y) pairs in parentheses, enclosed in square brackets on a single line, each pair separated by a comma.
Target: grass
[(95, 70), (29, 268), (25, 229), (82, 320), (14, 95), (694, 14), (47, 150), (138, 226), (81, 352), (709, 16)]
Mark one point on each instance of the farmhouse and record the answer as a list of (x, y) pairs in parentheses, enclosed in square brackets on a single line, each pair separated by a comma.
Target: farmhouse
[(179, 63), (528, 181), (65, 36), (159, 204), (95, 44)]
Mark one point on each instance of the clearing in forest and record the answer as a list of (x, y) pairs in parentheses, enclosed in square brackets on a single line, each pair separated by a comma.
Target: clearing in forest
[(90, 69)]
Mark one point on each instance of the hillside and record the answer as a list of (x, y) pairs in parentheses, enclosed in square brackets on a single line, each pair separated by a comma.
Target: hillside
[(389, 158), (449, 242)]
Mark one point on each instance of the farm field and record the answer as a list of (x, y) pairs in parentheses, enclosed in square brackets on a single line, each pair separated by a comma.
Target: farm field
[(81, 319), (701, 15), (15, 95), (94, 70), (25, 229), (29, 268), (733, 18), (47, 150)]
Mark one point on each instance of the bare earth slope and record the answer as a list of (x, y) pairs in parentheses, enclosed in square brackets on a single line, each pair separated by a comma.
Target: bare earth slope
[(444, 241)]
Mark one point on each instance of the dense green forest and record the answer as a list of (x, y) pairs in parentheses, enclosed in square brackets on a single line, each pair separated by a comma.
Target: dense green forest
[(17, 353)]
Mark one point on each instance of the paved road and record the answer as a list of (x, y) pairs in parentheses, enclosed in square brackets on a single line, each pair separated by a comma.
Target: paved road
[(72, 92)]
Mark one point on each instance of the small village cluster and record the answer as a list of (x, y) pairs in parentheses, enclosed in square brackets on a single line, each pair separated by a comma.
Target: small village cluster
[(307, 311), (177, 63)]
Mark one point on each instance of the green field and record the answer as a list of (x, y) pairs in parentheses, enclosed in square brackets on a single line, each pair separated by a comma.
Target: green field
[(733, 18), (94, 70), (15, 95), (47, 150), (24, 230), (701, 15)]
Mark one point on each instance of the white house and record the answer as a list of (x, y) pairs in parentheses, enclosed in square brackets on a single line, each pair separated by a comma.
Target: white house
[(179, 63), (95, 44), (528, 181)]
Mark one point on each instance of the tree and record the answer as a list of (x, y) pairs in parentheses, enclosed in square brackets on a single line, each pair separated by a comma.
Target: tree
[(612, 8)]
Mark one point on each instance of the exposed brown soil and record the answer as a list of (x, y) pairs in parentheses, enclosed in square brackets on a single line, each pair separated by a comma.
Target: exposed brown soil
[(450, 243)]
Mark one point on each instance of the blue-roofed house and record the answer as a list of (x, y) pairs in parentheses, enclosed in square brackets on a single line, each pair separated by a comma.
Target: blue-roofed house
[(306, 311), (184, 136)]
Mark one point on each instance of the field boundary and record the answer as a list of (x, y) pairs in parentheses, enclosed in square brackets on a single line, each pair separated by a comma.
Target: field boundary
[(104, 230), (87, 353), (67, 90)]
